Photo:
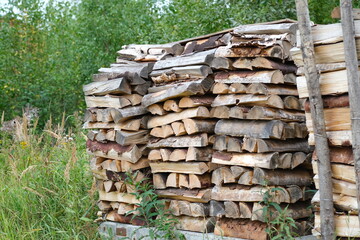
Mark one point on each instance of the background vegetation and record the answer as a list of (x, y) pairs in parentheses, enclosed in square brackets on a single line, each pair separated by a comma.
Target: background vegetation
[(48, 51)]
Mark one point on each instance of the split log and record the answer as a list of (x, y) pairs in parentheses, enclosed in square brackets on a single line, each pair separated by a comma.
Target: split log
[(220, 88), (231, 210), (248, 194), (257, 129), (336, 119), (124, 209), (330, 83), (118, 197), (339, 171), (263, 63), (194, 195), (115, 217), (279, 28), (178, 128), (297, 177), (154, 155), (266, 145), (325, 54), (178, 155), (294, 211), (113, 150), (156, 109), (159, 180), (234, 145), (275, 77), (165, 154), (199, 112), (103, 115), (131, 125), (272, 52), (171, 106), (331, 102), (198, 87), (198, 154), (335, 138), (238, 112), (184, 181), (109, 186), (341, 202), (339, 155), (203, 225), (220, 143), (115, 86), (200, 140), (264, 160), (292, 103), (141, 89), (217, 209), (264, 113), (199, 181), (273, 101), (172, 180), (119, 115), (107, 101), (272, 89), (162, 132), (222, 112), (237, 88), (128, 137), (189, 208), (104, 206), (241, 228), (199, 126), (246, 178), (128, 166), (345, 226), (201, 58), (196, 101), (221, 63), (179, 167), (340, 187), (180, 73)]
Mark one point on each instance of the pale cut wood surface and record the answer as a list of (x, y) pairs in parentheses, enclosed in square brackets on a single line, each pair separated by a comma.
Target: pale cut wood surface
[(330, 83)]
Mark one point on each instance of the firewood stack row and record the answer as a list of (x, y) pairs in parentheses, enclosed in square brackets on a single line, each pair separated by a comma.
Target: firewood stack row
[(230, 128), (330, 62), (260, 136), (117, 124), (217, 119)]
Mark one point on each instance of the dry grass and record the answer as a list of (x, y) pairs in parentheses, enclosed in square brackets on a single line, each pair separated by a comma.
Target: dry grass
[(45, 183)]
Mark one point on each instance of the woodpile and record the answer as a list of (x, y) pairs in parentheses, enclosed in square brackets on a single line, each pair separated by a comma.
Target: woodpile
[(330, 62), (217, 123)]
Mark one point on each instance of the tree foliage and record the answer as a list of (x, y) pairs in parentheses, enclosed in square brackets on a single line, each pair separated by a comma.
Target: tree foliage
[(49, 50)]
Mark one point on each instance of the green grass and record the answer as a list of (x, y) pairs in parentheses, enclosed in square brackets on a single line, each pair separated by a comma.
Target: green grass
[(46, 186)]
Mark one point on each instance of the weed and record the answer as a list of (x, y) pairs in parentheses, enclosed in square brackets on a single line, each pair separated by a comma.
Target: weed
[(280, 225), (160, 222)]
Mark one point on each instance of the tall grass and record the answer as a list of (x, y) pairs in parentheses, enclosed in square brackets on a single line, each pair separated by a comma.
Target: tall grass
[(44, 184)]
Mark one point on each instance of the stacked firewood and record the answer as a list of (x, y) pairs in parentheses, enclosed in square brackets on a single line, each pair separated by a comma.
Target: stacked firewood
[(330, 62), (181, 128), (216, 118), (260, 137), (117, 124)]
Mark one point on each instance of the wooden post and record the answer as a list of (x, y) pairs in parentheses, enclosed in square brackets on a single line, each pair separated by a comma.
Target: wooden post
[(317, 114), (351, 60)]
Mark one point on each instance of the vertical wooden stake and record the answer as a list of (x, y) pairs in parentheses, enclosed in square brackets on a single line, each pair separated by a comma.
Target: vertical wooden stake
[(351, 60), (317, 114)]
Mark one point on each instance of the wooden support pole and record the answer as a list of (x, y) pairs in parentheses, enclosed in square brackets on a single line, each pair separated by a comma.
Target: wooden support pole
[(351, 60), (317, 114)]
